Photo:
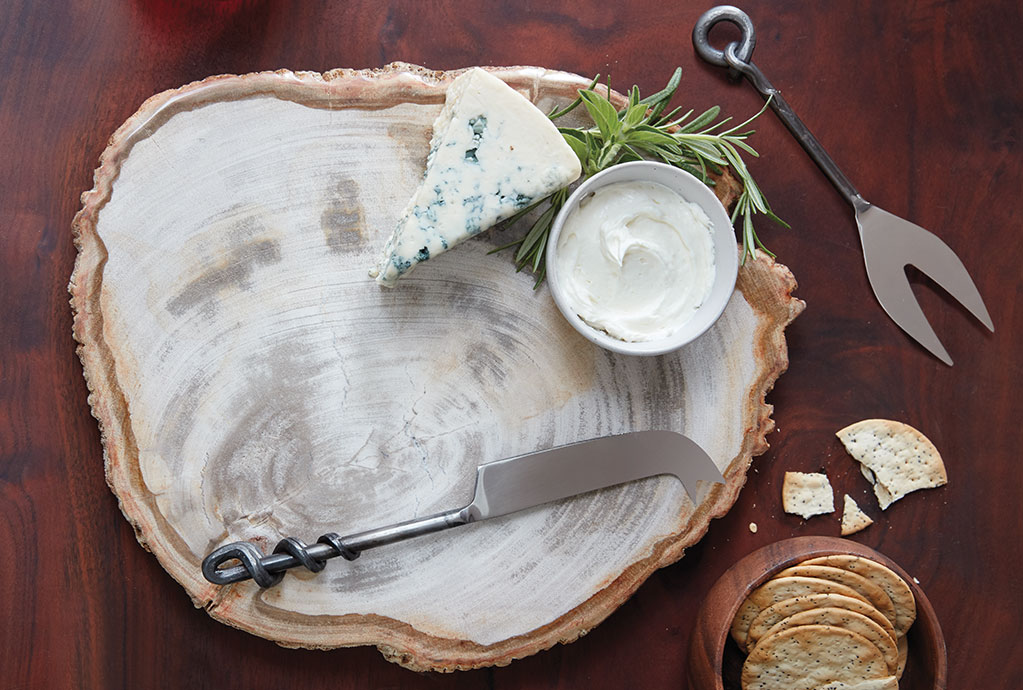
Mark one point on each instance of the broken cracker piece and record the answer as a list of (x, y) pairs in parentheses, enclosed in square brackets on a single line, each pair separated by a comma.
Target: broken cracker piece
[(807, 494), (853, 519), (896, 458)]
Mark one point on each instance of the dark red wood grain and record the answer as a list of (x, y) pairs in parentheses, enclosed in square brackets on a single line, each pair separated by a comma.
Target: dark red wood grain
[(921, 102)]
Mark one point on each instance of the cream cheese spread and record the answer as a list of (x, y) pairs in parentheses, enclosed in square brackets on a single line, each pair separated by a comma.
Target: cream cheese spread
[(636, 260)]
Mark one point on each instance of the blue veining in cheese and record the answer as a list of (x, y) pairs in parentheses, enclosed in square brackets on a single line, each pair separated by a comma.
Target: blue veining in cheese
[(492, 154)]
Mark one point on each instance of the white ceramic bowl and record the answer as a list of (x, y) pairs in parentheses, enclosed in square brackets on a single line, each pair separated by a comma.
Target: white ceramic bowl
[(726, 255)]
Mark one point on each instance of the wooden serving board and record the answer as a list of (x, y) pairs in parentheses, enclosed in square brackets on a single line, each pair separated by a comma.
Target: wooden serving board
[(251, 382)]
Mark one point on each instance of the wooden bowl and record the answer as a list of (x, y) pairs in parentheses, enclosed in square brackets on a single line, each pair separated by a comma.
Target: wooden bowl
[(715, 661)]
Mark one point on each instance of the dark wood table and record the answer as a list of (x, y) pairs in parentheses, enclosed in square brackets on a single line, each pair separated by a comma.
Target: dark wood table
[(920, 102)]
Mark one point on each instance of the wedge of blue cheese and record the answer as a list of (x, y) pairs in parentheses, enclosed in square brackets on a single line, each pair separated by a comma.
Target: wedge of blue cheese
[(492, 154)]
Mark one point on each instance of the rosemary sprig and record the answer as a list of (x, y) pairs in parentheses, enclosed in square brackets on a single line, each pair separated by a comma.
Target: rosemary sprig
[(642, 131)]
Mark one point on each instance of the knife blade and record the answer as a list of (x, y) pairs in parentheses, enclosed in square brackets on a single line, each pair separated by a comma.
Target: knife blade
[(502, 487), (514, 484)]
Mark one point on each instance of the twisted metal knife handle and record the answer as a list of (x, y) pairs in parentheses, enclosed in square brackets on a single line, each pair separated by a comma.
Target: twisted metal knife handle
[(267, 571)]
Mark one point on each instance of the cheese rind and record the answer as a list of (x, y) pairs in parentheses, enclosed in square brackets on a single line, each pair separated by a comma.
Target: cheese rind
[(492, 154)]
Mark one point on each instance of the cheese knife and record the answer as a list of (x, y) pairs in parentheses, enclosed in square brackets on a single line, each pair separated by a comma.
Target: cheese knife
[(502, 487)]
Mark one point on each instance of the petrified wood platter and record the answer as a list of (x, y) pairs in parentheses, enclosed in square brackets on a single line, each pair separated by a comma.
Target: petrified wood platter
[(251, 381)]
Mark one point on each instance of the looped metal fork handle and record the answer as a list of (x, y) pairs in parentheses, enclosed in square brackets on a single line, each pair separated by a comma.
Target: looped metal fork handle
[(889, 243), (743, 47), (736, 57)]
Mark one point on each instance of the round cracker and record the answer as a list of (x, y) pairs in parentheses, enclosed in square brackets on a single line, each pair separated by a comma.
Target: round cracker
[(809, 656), (777, 589), (851, 621), (897, 588), (775, 613), (874, 593)]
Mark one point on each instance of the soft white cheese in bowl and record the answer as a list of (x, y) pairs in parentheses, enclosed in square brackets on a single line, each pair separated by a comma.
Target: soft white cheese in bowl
[(642, 259)]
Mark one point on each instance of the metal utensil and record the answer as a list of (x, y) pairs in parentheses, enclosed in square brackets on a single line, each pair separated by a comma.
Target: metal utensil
[(889, 242), (502, 487)]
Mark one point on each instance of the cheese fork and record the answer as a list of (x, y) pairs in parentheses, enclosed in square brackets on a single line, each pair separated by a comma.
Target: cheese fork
[(889, 243)]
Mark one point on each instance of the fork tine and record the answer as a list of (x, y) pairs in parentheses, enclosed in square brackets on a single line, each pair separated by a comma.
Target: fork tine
[(912, 244), (889, 245), (893, 291), (942, 265)]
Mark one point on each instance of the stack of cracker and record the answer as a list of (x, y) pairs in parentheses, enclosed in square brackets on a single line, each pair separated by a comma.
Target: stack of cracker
[(830, 622)]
